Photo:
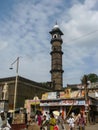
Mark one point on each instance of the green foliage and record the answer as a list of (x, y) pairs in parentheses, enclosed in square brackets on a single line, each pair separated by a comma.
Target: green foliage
[(90, 77), (93, 77)]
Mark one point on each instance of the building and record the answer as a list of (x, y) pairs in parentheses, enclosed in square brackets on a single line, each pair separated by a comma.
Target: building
[(72, 99), (66, 101), (26, 89)]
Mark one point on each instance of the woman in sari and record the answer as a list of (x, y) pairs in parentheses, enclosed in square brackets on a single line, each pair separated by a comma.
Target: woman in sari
[(52, 122)]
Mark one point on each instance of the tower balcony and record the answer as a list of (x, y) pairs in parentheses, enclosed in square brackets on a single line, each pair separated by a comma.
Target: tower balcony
[(57, 39), (56, 70), (55, 51)]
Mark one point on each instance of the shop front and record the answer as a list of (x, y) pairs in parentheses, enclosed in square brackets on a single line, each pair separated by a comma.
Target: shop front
[(32, 105), (65, 106), (65, 101), (93, 110)]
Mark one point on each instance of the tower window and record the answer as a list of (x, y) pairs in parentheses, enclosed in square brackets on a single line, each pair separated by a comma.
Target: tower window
[(55, 36)]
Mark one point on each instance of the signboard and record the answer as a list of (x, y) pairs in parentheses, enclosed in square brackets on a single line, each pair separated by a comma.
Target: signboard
[(64, 94), (67, 93), (44, 96), (79, 93), (63, 103), (52, 95), (31, 102)]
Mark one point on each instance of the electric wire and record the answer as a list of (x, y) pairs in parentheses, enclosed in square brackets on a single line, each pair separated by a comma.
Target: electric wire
[(82, 36)]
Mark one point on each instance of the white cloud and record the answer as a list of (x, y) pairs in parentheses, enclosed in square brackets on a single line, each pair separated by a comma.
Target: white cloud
[(80, 39), (3, 45), (25, 32)]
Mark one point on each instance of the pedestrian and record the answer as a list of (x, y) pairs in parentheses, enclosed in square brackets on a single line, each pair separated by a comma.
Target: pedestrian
[(61, 122), (39, 119), (73, 115), (81, 122), (4, 125), (52, 122), (44, 123), (47, 116), (33, 125), (10, 117), (71, 122)]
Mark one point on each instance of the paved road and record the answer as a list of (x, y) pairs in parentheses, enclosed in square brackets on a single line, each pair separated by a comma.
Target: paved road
[(88, 127), (92, 127)]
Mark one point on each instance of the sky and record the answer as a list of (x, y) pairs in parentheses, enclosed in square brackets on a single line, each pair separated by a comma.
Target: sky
[(24, 33)]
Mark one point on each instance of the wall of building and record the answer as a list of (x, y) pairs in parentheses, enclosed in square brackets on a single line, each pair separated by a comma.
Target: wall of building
[(26, 89)]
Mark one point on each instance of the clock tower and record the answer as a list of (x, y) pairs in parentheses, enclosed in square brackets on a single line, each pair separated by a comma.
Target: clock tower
[(56, 58)]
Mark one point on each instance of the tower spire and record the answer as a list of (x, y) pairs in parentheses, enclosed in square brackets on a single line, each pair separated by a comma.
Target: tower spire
[(56, 23)]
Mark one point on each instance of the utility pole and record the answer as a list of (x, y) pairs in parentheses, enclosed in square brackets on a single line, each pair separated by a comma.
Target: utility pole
[(86, 97), (16, 81)]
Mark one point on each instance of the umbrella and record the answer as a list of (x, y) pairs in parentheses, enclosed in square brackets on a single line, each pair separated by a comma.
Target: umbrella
[(56, 113), (11, 111)]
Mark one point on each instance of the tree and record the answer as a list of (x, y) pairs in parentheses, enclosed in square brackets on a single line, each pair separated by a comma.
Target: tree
[(90, 77), (93, 77), (84, 79)]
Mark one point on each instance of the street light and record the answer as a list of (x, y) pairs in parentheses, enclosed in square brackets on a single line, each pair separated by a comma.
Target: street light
[(15, 90)]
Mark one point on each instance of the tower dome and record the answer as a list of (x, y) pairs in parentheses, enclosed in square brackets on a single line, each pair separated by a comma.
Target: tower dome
[(56, 26)]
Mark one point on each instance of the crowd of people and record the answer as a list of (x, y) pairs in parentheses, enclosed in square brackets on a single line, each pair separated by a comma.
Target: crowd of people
[(79, 120), (45, 121), (49, 121)]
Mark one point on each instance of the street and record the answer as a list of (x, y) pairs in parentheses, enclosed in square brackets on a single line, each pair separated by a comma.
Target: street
[(92, 127), (88, 127)]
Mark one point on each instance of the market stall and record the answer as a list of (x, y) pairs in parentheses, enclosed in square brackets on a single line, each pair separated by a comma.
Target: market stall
[(64, 101), (19, 120)]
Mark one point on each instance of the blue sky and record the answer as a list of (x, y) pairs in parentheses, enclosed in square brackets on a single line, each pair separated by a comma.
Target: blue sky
[(24, 33)]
